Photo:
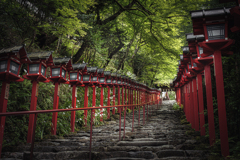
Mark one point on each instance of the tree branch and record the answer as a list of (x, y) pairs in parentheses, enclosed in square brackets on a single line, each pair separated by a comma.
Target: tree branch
[(115, 15)]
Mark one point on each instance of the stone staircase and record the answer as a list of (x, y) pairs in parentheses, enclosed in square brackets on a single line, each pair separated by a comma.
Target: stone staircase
[(161, 138)]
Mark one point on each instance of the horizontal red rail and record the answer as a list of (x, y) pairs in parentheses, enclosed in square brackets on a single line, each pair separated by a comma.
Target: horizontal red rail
[(66, 110), (77, 109)]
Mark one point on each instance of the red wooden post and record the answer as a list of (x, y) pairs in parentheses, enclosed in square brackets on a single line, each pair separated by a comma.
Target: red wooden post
[(90, 145), (55, 106), (113, 110), (33, 107), (74, 98), (200, 103), (191, 107), (221, 103), (94, 102), (33, 136), (133, 120), (119, 109), (208, 84), (125, 96), (195, 99), (120, 120), (3, 109), (122, 95), (108, 102), (85, 105), (186, 101), (139, 107), (101, 104), (144, 108), (132, 110), (124, 122), (129, 98)]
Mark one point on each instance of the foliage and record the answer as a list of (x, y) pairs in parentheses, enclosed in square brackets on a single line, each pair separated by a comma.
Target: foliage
[(172, 95), (139, 38), (177, 107)]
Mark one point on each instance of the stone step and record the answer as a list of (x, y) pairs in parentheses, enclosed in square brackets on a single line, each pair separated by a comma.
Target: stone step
[(182, 158), (85, 155), (171, 153), (142, 143), (124, 158)]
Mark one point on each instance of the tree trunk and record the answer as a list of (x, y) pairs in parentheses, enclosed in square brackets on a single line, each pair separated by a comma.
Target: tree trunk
[(113, 53), (80, 52)]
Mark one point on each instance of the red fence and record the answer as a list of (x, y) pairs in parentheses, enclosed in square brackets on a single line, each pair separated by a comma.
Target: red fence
[(120, 108)]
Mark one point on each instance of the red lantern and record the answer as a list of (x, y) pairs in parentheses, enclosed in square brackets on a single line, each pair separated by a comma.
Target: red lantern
[(36, 72), (11, 60), (58, 75)]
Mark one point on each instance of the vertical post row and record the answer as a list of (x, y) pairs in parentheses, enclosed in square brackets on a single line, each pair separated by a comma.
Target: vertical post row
[(195, 99), (113, 110), (119, 108), (132, 110), (221, 103), (200, 103), (85, 105), (74, 99), (208, 83), (33, 108), (139, 107), (108, 103), (94, 102), (101, 104), (191, 106), (55, 106), (3, 109)]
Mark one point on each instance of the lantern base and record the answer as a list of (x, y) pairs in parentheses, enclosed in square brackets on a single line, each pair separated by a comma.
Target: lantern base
[(214, 45), (10, 77), (39, 78)]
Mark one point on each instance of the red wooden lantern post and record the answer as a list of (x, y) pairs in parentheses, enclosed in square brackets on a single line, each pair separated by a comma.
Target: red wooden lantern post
[(119, 84), (94, 83), (90, 79), (214, 25), (11, 60), (58, 76), (75, 79), (36, 72), (114, 84), (138, 102), (124, 97), (197, 70), (132, 86), (108, 85), (205, 63), (102, 82), (190, 87)]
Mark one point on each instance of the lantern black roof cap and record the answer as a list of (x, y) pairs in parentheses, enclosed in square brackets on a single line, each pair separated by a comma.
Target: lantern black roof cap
[(192, 37), (100, 70), (82, 66), (107, 73), (91, 69), (123, 77), (114, 74), (210, 12), (39, 55), (185, 49), (11, 49), (58, 61), (76, 66)]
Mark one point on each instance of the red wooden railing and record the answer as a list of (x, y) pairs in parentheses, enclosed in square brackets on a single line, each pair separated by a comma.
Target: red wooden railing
[(120, 108)]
